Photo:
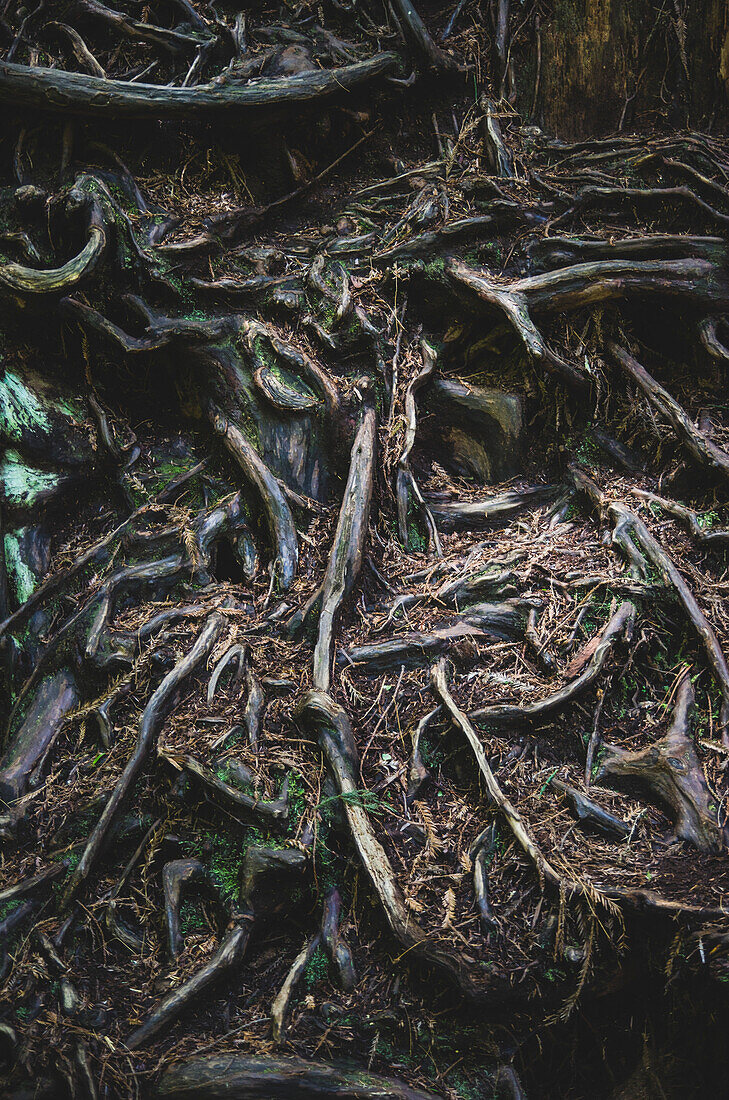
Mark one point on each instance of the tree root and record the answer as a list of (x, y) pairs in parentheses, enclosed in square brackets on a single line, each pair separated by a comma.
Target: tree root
[(458, 516), (670, 769), (29, 280), (629, 527), (329, 724), (409, 650), (416, 31), (96, 553), (238, 653), (709, 334), (692, 280), (417, 771), (255, 705), (282, 1001), (689, 518), (706, 453), (498, 799), (481, 853), (42, 882), (277, 1079), (588, 812), (265, 871), (277, 511), (76, 93), (149, 726), (345, 560), (235, 801), (620, 627), (405, 479), (53, 702), (336, 947), (227, 958), (177, 876)]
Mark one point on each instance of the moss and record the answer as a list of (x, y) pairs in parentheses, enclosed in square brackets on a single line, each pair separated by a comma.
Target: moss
[(435, 269), (432, 751), (554, 974), (22, 580), (417, 541), (24, 485), (225, 862), (297, 800), (21, 411)]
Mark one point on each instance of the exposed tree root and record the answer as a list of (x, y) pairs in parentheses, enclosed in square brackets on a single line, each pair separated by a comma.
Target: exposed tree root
[(149, 726), (670, 769), (461, 516), (706, 453), (278, 513), (282, 1002), (336, 947), (161, 303), (89, 95), (278, 1079), (226, 959), (619, 628), (345, 560), (330, 725)]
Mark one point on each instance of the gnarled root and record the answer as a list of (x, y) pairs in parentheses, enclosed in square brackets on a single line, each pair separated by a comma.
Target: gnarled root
[(498, 798), (90, 95), (282, 1001), (689, 518), (55, 699), (587, 811), (30, 280), (458, 516), (336, 947), (480, 853), (405, 480), (230, 798), (177, 876), (702, 450), (149, 726), (276, 508), (407, 649), (618, 628), (277, 1079), (670, 769), (630, 531), (228, 957), (265, 870), (417, 771), (569, 288), (345, 560), (328, 722)]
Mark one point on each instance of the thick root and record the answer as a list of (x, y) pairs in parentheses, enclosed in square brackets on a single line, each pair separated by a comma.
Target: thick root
[(670, 770)]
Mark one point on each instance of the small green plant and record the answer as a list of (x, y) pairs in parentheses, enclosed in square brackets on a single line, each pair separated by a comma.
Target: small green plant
[(708, 520), (317, 969), (9, 907), (192, 917)]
